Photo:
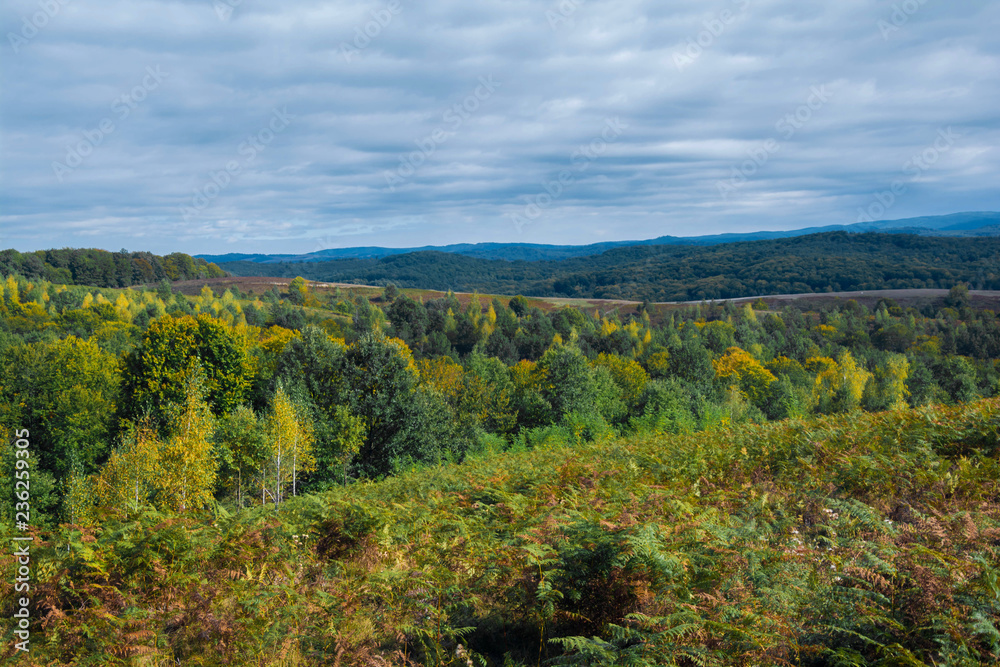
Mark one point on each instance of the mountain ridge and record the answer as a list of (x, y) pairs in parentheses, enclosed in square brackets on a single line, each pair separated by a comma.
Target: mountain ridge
[(969, 224)]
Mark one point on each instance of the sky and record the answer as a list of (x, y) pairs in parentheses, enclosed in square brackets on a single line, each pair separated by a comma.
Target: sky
[(214, 126)]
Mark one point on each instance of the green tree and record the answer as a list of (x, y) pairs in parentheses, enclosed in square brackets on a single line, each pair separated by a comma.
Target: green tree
[(156, 372), (381, 380), (243, 448), (886, 390), (627, 374), (298, 291), (570, 385)]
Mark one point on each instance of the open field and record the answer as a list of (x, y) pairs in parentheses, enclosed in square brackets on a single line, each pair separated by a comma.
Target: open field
[(904, 297)]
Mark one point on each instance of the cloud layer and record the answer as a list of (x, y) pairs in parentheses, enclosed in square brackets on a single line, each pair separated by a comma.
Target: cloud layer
[(239, 125)]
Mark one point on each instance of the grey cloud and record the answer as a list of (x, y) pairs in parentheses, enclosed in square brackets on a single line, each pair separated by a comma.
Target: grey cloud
[(323, 179)]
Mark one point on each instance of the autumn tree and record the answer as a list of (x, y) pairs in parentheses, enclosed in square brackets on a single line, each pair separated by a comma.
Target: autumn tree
[(291, 444), (298, 291), (127, 481), (628, 375), (839, 385), (886, 389), (187, 464), (737, 368)]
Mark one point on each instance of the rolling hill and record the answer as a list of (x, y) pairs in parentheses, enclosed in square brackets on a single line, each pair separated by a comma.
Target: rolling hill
[(958, 224), (816, 263)]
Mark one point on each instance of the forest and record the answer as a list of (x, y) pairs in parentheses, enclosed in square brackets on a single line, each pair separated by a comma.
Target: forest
[(100, 268), (329, 475), (815, 263)]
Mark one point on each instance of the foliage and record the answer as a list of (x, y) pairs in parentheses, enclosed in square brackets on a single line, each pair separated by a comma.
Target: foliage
[(867, 539)]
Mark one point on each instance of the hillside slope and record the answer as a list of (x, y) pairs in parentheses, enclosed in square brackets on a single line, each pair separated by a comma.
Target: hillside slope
[(863, 539), (835, 261)]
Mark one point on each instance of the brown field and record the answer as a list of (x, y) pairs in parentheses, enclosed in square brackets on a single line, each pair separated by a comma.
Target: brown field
[(904, 297)]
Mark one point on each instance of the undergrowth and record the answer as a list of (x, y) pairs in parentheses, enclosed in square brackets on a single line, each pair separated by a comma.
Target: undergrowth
[(861, 539)]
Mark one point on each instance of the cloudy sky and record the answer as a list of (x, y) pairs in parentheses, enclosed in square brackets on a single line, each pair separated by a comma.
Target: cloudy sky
[(242, 125)]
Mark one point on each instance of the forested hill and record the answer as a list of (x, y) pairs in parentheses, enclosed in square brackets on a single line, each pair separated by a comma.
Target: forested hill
[(978, 224), (835, 261), (100, 268)]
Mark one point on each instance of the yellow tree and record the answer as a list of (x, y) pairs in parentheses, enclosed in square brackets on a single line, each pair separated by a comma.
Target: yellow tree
[(839, 384), (737, 368), (291, 445), (349, 436), (126, 481), (658, 363), (187, 467), (630, 377), (445, 375), (886, 390)]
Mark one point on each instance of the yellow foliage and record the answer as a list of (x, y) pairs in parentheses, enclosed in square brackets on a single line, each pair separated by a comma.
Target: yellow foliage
[(122, 307), (740, 369), (292, 438), (658, 363), (444, 375), (186, 474), (839, 385), (630, 377), (525, 374), (785, 366), (11, 285), (126, 480)]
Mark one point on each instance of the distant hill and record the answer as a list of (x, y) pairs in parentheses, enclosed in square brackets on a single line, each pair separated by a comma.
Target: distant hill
[(815, 263), (958, 224)]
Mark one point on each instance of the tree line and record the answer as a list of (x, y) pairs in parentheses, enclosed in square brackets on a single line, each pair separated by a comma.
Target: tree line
[(100, 268)]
